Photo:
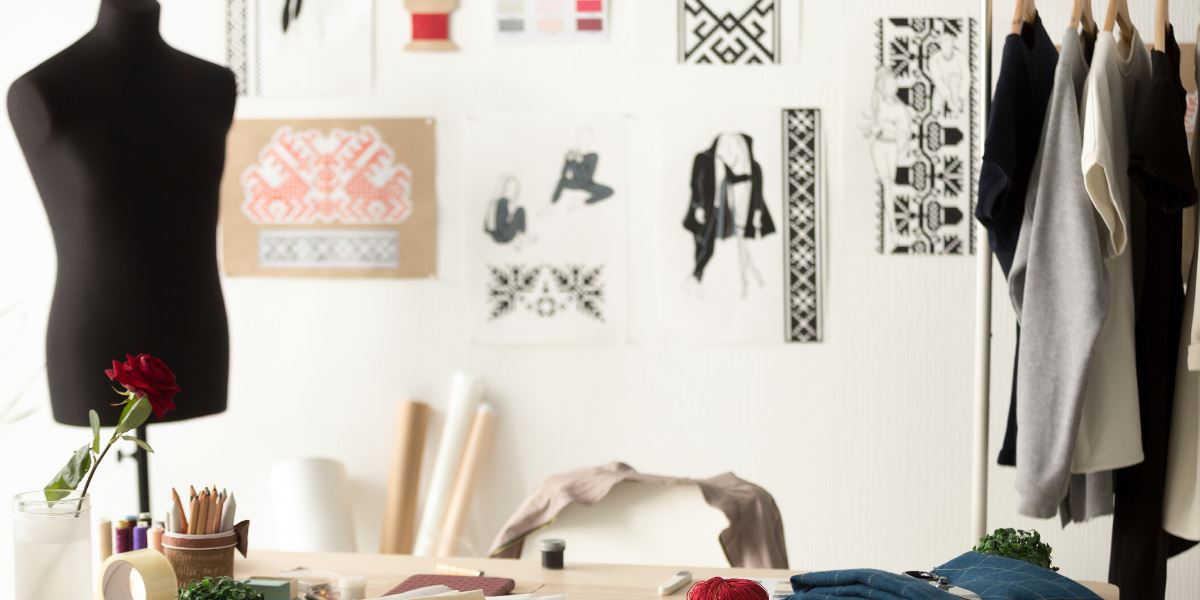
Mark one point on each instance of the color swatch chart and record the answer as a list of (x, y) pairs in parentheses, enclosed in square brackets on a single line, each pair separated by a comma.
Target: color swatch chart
[(549, 19)]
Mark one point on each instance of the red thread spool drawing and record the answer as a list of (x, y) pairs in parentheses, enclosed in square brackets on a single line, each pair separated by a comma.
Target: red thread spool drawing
[(431, 25), (719, 588)]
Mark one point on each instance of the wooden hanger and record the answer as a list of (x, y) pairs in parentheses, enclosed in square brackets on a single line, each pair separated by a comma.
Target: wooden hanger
[(1162, 17), (1024, 11), (1081, 14), (1118, 12)]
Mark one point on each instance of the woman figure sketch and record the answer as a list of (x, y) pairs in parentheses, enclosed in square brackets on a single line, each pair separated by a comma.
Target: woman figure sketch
[(579, 172), (890, 129), (727, 202), (947, 71), (504, 222)]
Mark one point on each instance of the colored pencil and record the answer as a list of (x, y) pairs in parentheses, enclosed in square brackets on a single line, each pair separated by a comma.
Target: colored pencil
[(179, 509)]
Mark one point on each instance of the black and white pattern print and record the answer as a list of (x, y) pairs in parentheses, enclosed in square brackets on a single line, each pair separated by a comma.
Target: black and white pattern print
[(803, 190), (239, 28), (314, 249), (921, 133), (732, 32), (547, 291)]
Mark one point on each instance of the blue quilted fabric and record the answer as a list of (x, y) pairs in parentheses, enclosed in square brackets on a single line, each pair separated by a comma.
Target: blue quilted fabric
[(998, 578), (863, 583)]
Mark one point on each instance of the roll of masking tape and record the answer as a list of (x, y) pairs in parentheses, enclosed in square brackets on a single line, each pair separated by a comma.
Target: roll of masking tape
[(146, 571)]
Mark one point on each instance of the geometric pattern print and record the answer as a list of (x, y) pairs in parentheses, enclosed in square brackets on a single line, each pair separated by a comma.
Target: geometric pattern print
[(748, 34), (307, 177), (802, 187), (237, 47), (344, 249), (546, 291), (923, 139)]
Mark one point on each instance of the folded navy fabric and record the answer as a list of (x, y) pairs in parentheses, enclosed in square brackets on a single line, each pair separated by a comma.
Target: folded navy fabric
[(863, 583), (999, 578)]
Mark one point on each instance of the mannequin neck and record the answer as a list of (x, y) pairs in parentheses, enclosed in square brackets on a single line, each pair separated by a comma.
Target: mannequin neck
[(129, 22)]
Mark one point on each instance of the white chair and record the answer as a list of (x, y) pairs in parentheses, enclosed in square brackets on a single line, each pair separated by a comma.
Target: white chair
[(639, 523), (310, 498)]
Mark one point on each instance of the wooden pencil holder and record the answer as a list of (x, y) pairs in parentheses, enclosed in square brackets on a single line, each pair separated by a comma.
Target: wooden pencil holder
[(195, 557)]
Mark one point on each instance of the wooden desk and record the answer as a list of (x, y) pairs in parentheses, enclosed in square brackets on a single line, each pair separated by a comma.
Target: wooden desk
[(582, 582)]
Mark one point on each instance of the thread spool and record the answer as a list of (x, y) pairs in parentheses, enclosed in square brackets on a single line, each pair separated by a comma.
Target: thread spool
[(431, 25), (123, 537), (140, 541), (104, 539), (719, 588), (154, 537), (552, 553)]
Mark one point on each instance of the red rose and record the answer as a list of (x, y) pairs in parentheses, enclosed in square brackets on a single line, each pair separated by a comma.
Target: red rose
[(145, 375)]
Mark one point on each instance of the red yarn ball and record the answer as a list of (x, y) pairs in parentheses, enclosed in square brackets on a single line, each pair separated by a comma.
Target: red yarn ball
[(719, 588)]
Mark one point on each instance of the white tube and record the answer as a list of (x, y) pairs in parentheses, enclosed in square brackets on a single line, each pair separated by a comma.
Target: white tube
[(466, 392), (311, 505)]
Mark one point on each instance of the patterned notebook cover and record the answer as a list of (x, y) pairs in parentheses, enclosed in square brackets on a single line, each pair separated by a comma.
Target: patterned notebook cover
[(491, 586)]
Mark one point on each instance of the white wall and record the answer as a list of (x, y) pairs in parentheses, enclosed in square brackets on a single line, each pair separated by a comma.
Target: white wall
[(864, 439)]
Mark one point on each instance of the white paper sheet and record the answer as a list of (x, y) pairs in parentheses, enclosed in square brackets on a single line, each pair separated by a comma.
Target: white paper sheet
[(910, 131), (544, 271), (749, 272), (327, 50)]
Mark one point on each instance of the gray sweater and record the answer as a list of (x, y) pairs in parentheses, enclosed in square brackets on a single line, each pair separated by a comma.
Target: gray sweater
[(1060, 291)]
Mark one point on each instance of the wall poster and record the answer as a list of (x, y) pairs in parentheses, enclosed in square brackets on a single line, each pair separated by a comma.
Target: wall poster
[(546, 232), (732, 32), (552, 20), (301, 47), (330, 198), (919, 128), (741, 228)]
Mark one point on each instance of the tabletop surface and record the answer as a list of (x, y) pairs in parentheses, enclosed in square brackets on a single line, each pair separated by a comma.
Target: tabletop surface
[(581, 581)]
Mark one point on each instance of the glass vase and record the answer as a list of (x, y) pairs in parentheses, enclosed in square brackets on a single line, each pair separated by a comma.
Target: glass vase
[(52, 546)]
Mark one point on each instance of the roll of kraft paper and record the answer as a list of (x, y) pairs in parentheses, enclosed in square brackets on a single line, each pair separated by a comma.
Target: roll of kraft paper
[(478, 442), (311, 502), (400, 514), (466, 392), (158, 578)]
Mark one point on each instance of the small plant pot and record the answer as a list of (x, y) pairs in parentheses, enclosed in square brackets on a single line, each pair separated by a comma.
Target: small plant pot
[(195, 557)]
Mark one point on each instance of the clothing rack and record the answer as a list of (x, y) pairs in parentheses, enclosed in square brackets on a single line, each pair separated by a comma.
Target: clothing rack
[(983, 308)]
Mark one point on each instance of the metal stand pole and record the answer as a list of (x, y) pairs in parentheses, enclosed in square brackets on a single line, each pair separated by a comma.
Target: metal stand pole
[(983, 310)]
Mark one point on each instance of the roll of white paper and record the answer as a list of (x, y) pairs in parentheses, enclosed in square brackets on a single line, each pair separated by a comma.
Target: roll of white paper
[(312, 506), (466, 392)]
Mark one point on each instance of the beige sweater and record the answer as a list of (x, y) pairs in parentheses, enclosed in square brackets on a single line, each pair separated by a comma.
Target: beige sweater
[(754, 538)]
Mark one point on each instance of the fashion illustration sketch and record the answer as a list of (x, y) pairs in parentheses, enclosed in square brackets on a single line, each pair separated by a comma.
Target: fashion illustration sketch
[(727, 203)]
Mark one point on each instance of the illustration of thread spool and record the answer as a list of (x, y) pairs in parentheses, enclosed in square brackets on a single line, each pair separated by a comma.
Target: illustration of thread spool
[(431, 25)]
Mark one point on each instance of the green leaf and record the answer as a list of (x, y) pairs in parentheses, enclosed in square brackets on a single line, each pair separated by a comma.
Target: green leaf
[(134, 415), (95, 421), (69, 477), (141, 443)]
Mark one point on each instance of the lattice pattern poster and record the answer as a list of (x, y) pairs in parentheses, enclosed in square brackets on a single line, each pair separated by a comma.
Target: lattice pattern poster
[(330, 198), (740, 225), (280, 48), (732, 32), (547, 231), (918, 119)]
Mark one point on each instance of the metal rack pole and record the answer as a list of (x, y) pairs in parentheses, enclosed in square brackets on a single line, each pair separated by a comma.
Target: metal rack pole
[(983, 308)]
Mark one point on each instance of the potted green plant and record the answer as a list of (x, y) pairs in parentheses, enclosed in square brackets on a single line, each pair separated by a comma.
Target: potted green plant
[(1017, 544), (220, 588)]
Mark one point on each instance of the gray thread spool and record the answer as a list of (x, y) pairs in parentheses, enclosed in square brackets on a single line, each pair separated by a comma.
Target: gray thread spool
[(552, 553)]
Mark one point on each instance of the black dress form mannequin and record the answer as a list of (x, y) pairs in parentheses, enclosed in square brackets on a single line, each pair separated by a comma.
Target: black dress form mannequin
[(125, 138)]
